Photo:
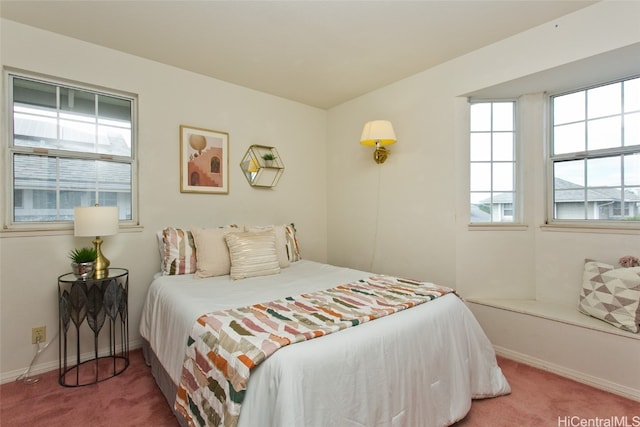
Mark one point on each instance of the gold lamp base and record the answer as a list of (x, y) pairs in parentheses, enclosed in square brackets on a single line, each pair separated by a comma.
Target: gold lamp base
[(102, 263), (380, 154)]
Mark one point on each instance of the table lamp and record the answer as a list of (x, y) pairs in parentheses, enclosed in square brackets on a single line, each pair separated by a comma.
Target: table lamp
[(97, 221)]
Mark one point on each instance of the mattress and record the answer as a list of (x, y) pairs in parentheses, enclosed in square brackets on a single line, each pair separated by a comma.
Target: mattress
[(418, 367)]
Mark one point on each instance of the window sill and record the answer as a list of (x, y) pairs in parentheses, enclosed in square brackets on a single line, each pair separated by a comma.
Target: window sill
[(578, 228), (39, 232), (498, 227)]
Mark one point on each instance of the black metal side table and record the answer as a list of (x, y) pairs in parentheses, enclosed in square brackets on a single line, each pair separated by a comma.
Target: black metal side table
[(93, 302)]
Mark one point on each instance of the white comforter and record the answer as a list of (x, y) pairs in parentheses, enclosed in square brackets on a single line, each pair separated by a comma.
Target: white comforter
[(418, 367)]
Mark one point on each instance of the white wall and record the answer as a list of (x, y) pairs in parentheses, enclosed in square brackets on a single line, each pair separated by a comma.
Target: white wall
[(410, 215), (168, 97)]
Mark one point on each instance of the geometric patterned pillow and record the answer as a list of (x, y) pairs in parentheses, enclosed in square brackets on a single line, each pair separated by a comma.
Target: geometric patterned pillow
[(178, 252), (611, 294), (293, 249)]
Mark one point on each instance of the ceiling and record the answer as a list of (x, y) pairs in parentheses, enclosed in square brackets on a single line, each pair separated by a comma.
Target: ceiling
[(319, 53)]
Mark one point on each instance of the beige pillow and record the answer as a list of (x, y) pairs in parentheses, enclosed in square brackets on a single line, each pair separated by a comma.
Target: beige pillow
[(211, 251), (281, 241), (252, 254)]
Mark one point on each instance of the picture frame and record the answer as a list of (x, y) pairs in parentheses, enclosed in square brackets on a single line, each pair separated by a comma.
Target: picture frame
[(204, 161)]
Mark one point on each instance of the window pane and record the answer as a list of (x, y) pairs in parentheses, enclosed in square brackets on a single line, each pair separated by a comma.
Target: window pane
[(114, 138), (569, 138), (77, 136), (569, 174), (115, 109), (604, 172), (480, 207), (503, 176), (34, 172), (481, 177), (604, 101), (568, 108), (503, 116), (631, 129), (632, 203), (480, 117), (503, 146), (34, 94), (632, 170), (604, 133), (77, 101), (632, 95), (480, 147), (34, 128), (569, 204), (604, 205), (35, 177), (502, 208)]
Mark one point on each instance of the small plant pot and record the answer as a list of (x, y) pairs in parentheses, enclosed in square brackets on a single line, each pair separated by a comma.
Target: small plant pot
[(83, 270)]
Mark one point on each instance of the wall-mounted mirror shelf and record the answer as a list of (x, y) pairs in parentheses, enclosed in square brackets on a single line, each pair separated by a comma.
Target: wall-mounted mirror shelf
[(262, 166)]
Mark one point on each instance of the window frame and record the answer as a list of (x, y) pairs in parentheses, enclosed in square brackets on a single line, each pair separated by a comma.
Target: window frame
[(517, 200), (10, 149), (551, 159)]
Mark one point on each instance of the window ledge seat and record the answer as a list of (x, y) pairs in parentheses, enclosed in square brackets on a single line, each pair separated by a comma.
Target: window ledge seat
[(557, 312)]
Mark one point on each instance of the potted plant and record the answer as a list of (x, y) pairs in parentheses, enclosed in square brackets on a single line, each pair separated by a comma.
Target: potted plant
[(268, 158), (83, 262)]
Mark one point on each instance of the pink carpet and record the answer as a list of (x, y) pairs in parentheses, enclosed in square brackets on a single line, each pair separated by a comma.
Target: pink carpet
[(538, 399)]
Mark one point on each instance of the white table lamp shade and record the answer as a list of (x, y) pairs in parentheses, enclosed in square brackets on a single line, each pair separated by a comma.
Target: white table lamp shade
[(95, 221)]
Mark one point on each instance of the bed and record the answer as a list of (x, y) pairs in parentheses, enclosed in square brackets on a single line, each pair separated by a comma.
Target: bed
[(418, 367)]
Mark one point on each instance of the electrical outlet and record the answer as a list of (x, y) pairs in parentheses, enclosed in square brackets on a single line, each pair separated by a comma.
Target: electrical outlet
[(38, 334)]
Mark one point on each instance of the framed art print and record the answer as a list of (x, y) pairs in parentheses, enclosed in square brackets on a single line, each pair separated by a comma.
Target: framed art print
[(204, 161)]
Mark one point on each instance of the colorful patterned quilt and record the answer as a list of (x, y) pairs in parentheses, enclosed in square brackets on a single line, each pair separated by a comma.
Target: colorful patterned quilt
[(224, 346)]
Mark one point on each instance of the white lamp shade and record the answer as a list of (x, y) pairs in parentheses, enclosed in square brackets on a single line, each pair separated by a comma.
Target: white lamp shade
[(95, 221), (378, 132)]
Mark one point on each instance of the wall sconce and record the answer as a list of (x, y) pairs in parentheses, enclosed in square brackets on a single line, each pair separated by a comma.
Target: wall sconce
[(378, 133), (96, 221)]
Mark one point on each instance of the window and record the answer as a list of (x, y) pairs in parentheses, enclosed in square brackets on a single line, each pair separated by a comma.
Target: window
[(71, 146), (493, 162), (595, 154)]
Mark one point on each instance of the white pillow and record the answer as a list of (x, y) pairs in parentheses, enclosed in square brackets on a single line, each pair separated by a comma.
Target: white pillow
[(212, 253), (252, 254)]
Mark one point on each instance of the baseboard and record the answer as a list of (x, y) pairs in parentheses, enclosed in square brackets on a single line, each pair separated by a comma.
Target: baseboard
[(563, 371), (42, 368)]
